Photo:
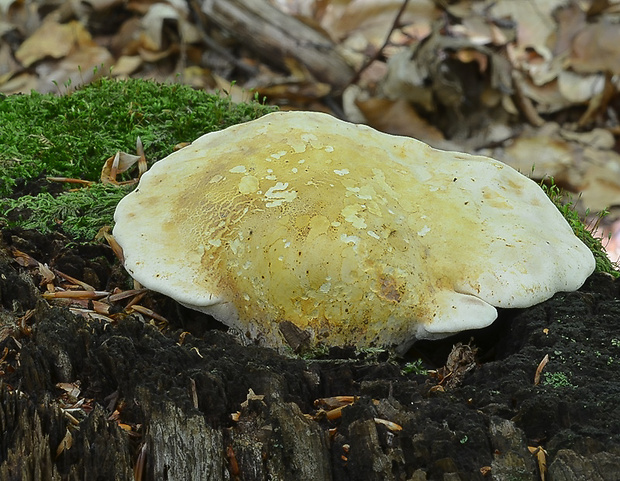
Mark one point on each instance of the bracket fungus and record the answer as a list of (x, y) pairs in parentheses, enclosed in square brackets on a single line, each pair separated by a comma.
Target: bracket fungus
[(355, 236)]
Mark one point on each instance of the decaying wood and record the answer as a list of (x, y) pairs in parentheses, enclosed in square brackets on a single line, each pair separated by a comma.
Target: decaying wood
[(87, 399), (32, 432), (276, 36), (182, 446)]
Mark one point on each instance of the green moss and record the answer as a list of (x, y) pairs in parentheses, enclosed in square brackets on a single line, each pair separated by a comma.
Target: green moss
[(556, 379), (416, 367), (581, 230), (79, 213), (73, 135)]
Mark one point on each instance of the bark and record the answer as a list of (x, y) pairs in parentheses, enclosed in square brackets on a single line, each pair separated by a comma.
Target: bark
[(181, 446), (32, 432)]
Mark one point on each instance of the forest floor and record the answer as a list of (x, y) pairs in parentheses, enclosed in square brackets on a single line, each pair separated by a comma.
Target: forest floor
[(124, 396), (470, 413)]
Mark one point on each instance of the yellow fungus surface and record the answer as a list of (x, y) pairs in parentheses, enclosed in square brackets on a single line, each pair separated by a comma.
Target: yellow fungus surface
[(356, 236)]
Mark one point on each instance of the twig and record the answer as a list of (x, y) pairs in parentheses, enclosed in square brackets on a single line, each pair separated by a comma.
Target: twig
[(379, 52), (524, 103)]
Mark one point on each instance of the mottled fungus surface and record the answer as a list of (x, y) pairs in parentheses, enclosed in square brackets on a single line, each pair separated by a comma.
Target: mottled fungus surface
[(355, 236)]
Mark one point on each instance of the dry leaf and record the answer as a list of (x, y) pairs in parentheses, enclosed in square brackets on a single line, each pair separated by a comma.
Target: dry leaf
[(295, 92), (406, 80), (23, 259), (47, 276), (117, 164), (153, 23), (20, 84), (541, 153), (71, 389), (540, 368), (579, 88), (468, 55), (399, 117), (198, 78), (54, 40), (370, 20), (600, 187), (392, 426), (65, 444), (7, 65), (571, 18), (610, 235), (334, 402), (80, 67), (597, 48), (126, 65), (461, 360), (533, 19), (234, 91), (102, 5), (541, 459)]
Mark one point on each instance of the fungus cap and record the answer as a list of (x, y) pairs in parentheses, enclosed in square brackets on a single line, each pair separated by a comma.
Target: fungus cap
[(356, 236)]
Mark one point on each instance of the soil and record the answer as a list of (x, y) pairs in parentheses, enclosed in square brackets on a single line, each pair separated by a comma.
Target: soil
[(160, 400)]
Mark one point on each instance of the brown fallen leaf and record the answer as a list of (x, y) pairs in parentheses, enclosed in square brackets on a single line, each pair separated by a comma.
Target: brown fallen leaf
[(541, 458), (52, 39), (65, 444), (118, 164), (596, 48), (334, 402), (149, 312), (23, 259), (331, 407), (368, 21), (126, 65), (83, 65), (540, 368), (72, 390), (461, 360), (399, 117), (392, 426)]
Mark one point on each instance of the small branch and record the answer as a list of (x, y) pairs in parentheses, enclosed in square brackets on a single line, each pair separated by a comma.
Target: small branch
[(379, 52)]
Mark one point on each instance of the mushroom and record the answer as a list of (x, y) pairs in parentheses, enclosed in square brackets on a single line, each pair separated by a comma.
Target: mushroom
[(354, 236)]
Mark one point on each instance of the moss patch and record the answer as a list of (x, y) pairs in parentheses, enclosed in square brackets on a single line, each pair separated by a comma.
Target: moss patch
[(79, 213), (581, 230), (72, 136)]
